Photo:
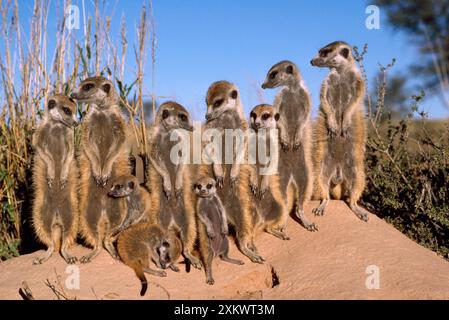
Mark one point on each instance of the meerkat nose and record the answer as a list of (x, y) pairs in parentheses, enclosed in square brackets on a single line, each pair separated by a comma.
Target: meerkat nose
[(264, 85), (311, 62)]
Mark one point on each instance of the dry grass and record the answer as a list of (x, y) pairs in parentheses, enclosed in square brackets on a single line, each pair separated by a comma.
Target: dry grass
[(29, 73)]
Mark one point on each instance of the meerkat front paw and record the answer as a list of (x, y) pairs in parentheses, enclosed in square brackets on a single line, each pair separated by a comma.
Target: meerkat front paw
[(179, 193), (62, 184), (285, 145), (210, 233), (167, 194), (50, 181), (219, 180), (210, 281)]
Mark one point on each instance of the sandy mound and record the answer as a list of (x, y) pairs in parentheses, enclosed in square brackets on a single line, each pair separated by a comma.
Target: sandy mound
[(329, 264)]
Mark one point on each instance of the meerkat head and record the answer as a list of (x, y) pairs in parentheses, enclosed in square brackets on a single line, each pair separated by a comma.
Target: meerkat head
[(62, 109), (168, 250), (222, 96), (263, 116), (205, 187), (96, 90), (335, 55), (284, 73), (172, 115), (123, 186)]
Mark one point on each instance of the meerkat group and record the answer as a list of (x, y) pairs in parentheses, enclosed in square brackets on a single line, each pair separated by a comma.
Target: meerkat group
[(192, 209)]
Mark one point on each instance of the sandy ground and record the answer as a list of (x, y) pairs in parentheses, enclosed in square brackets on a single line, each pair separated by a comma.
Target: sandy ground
[(333, 263)]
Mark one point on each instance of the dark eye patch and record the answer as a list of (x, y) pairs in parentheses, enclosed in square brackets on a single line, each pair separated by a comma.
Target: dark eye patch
[(165, 114), (234, 94), (166, 244), (266, 116), (199, 186), (67, 111), (218, 103), (209, 186), (182, 116), (88, 86), (131, 184), (324, 53), (273, 74), (253, 115)]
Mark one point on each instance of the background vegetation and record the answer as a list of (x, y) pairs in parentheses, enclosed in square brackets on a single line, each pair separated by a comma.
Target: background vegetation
[(407, 154)]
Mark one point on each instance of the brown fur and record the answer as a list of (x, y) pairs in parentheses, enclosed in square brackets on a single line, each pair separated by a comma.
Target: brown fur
[(55, 205), (174, 207), (340, 132), (141, 243), (267, 192), (104, 157), (212, 225), (293, 103), (235, 194)]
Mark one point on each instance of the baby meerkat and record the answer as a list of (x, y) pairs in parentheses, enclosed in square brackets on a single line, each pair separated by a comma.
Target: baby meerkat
[(141, 243), (213, 226), (104, 157), (55, 205), (225, 115), (340, 132), (268, 196), (137, 198), (293, 103), (171, 193)]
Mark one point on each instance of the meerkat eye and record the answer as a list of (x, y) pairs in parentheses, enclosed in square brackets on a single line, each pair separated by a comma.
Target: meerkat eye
[(88, 86), (209, 186), (107, 88), (166, 243), (265, 117), (344, 52), (323, 53), (165, 114), (289, 69), (67, 111), (119, 186), (199, 186), (51, 104), (218, 103), (234, 94), (273, 74), (183, 117), (131, 184)]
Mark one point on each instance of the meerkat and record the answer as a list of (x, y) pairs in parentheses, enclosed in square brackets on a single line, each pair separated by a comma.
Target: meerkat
[(340, 132), (268, 196), (213, 226), (138, 201), (141, 243), (171, 195), (294, 105), (104, 157), (225, 112), (55, 205)]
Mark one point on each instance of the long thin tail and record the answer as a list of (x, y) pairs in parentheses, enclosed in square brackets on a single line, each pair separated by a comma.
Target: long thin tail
[(143, 280)]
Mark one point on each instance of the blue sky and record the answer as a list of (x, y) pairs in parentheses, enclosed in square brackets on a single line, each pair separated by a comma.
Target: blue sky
[(203, 41)]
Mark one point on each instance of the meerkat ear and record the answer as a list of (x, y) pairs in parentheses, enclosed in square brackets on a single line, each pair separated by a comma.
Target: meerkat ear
[(234, 94), (276, 117), (51, 104), (131, 185), (345, 52), (194, 186), (107, 88), (289, 69)]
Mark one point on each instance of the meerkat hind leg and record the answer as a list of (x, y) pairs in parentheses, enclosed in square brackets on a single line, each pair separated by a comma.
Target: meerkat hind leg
[(174, 268), (67, 256), (359, 211), (277, 233), (310, 226), (45, 257), (89, 257), (159, 273), (110, 248)]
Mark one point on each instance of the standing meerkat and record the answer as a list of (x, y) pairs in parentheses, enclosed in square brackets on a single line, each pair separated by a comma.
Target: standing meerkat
[(294, 105), (267, 194), (142, 243), (55, 205), (172, 202), (213, 226), (104, 157), (225, 115), (340, 131), (137, 198)]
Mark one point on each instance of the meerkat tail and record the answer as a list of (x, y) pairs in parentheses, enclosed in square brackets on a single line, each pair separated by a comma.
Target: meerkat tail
[(138, 269)]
